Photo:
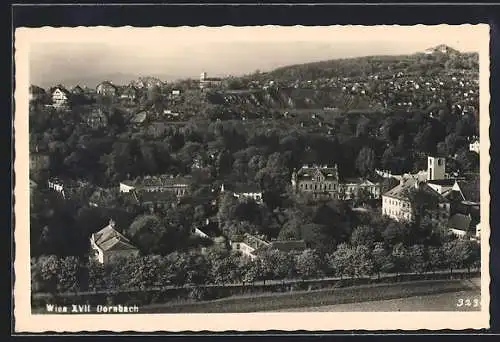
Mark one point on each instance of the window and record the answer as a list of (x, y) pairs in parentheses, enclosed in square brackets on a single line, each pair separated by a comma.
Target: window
[(440, 161)]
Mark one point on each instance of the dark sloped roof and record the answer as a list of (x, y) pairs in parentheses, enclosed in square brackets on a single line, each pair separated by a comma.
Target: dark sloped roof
[(307, 172), (401, 191), (242, 188), (287, 246), (154, 197), (109, 238), (106, 84), (443, 182), (460, 222), (471, 189), (454, 195)]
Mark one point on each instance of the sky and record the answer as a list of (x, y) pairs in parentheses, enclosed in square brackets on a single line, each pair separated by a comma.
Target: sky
[(89, 55)]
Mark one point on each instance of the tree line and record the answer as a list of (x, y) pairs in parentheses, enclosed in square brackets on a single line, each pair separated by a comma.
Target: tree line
[(51, 274)]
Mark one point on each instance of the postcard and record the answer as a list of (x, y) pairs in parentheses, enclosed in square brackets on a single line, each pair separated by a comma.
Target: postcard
[(251, 178)]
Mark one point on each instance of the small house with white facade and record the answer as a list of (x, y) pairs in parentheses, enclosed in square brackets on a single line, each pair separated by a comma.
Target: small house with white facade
[(108, 244)]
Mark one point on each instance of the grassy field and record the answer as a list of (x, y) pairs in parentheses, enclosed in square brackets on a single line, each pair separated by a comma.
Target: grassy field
[(439, 302), (318, 299)]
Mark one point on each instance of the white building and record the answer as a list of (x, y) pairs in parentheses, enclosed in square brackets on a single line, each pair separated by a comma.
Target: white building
[(474, 147), (60, 97), (397, 204), (108, 244)]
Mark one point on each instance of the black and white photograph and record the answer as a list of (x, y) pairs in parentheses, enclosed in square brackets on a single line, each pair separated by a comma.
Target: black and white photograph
[(323, 171)]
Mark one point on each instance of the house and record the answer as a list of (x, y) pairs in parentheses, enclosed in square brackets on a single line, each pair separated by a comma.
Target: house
[(397, 204), (56, 184), (244, 192), (323, 182), (352, 187), (474, 146), (106, 88), (176, 92), (459, 225), (165, 183), (77, 90), (248, 245), (478, 231), (65, 187), (139, 118), (319, 181), (36, 93), (206, 82), (60, 97), (130, 93), (108, 244)]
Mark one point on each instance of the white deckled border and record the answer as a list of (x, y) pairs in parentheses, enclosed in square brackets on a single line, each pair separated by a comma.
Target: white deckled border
[(26, 322)]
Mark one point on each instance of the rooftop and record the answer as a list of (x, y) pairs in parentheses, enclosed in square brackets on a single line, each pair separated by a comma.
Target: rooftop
[(460, 222), (109, 238)]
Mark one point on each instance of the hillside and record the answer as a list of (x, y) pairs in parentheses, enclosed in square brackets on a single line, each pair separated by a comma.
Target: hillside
[(441, 59), (416, 81)]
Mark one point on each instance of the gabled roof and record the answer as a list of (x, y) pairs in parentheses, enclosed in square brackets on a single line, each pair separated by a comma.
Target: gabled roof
[(471, 189), (109, 238), (62, 89), (460, 222), (401, 190), (77, 90), (308, 172), (106, 84)]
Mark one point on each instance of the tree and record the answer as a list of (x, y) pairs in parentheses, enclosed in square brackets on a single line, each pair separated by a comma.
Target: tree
[(143, 272), (96, 276), (365, 163), (395, 233), (227, 208), (436, 258), (222, 264), (251, 271), (198, 269), (382, 261), (308, 264), (363, 261), (342, 260), (363, 236), (148, 232), (401, 258), (418, 257)]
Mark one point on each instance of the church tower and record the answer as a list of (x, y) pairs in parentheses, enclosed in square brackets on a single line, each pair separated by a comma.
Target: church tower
[(435, 168)]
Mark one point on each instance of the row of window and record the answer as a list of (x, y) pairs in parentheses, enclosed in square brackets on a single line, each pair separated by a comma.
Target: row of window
[(308, 186)]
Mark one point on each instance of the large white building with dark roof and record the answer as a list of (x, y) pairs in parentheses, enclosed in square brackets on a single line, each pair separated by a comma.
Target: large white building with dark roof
[(322, 182), (397, 204)]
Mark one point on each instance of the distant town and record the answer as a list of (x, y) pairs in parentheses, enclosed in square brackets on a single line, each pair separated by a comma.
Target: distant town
[(199, 189)]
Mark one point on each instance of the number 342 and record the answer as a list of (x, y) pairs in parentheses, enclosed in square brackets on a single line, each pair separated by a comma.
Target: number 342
[(468, 302)]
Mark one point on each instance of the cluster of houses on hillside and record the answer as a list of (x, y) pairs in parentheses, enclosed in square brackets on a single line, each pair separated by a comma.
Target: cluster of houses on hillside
[(456, 208)]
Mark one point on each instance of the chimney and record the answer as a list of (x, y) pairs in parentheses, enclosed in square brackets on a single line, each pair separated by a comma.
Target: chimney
[(111, 223)]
